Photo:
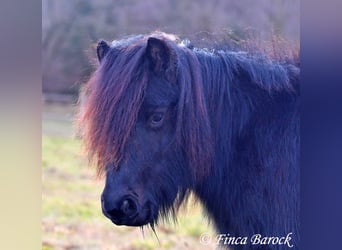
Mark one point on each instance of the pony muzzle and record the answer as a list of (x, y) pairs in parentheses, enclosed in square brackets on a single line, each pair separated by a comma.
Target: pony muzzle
[(125, 211)]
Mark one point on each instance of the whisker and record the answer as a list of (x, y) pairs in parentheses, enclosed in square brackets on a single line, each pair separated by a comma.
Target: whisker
[(154, 231)]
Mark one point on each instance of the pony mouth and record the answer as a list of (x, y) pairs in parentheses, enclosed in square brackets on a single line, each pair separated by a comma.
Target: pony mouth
[(146, 216)]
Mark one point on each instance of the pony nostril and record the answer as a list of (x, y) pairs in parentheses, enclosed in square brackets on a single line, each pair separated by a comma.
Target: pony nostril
[(128, 207), (125, 209)]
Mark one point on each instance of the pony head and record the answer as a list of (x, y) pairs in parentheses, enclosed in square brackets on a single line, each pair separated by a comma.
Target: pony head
[(145, 125)]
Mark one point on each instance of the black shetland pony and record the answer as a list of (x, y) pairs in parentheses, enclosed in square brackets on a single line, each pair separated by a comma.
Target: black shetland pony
[(163, 119)]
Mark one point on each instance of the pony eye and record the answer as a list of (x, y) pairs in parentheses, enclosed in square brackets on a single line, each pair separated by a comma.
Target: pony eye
[(156, 120)]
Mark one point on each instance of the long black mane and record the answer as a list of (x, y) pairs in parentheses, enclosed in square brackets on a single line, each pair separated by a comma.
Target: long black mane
[(203, 75), (256, 97)]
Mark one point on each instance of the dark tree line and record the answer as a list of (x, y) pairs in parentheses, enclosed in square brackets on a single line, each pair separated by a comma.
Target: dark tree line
[(71, 28)]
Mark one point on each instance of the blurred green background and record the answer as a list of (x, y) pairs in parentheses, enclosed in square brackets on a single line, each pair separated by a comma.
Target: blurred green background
[(71, 211)]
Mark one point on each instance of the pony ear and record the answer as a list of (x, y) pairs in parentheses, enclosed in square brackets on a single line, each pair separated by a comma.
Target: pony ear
[(102, 49), (158, 54)]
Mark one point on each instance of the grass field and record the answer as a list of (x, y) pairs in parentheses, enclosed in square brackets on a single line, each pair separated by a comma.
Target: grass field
[(72, 217)]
